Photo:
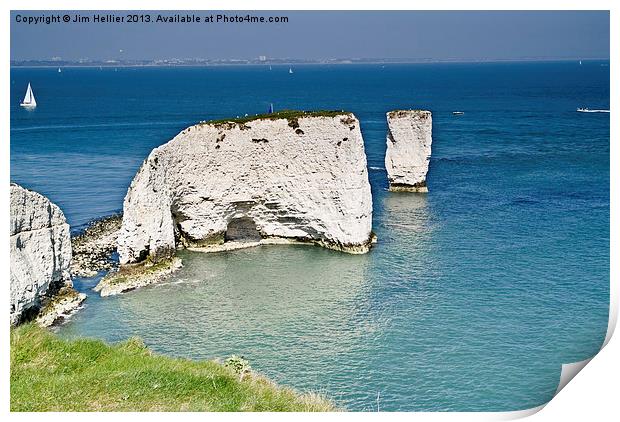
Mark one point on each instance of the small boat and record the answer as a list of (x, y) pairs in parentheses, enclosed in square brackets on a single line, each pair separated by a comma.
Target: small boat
[(579, 62), (458, 113), (290, 70), (270, 108), (59, 70), (29, 101), (587, 110), (269, 67)]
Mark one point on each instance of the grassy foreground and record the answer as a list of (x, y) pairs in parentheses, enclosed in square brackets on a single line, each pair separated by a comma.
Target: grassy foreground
[(51, 374)]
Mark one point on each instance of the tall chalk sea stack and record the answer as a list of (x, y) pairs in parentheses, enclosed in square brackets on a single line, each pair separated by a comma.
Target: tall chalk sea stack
[(288, 176), (408, 152), (40, 246)]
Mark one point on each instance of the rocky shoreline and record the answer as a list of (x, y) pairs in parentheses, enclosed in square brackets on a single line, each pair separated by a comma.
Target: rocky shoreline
[(94, 252), (93, 249)]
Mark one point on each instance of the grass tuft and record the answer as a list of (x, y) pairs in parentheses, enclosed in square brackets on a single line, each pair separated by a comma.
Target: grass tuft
[(51, 374)]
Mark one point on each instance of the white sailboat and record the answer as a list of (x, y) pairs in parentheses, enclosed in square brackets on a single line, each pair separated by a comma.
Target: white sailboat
[(59, 71), (290, 70), (29, 101)]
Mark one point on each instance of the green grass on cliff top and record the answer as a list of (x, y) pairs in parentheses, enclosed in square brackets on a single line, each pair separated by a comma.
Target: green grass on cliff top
[(51, 374), (284, 114)]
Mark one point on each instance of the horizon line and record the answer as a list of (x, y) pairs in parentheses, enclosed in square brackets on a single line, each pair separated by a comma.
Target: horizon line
[(196, 62)]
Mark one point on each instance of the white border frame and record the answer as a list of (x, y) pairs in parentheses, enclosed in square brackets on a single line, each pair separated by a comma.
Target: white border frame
[(593, 395)]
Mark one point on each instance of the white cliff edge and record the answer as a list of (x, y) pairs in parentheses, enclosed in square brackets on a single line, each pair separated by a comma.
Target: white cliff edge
[(285, 177), (408, 152), (40, 245)]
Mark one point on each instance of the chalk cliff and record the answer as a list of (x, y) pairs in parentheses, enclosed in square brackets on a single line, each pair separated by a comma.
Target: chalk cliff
[(289, 176), (408, 152), (40, 248)]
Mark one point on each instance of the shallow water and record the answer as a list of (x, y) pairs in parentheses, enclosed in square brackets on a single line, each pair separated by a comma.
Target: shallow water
[(476, 292)]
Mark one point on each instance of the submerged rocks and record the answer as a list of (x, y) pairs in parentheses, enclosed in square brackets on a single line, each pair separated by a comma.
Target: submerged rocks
[(288, 176), (93, 248), (40, 248), (408, 152)]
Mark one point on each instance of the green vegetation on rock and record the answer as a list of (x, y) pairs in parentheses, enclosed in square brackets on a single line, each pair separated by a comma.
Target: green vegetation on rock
[(290, 115), (52, 374)]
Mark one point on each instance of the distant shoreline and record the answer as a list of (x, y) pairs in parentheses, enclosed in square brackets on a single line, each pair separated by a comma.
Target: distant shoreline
[(48, 64)]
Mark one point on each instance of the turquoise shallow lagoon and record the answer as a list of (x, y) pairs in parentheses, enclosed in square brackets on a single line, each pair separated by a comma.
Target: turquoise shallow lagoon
[(475, 294)]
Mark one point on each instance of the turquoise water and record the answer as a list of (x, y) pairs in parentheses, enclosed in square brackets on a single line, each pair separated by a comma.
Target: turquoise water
[(476, 292)]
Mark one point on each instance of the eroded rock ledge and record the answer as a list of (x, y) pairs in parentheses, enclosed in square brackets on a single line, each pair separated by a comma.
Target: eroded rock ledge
[(131, 276), (408, 152), (62, 304), (40, 255), (289, 176)]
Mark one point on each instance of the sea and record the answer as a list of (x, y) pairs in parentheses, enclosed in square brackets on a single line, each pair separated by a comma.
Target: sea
[(475, 294)]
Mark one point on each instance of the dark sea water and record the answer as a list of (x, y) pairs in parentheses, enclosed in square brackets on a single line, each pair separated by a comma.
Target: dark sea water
[(476, 292)]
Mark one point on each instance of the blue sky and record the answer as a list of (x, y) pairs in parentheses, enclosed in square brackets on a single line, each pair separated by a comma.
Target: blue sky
[(440, 35)]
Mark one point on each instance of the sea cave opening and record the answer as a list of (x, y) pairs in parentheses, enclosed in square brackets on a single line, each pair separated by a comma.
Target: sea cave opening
[(242, 229)]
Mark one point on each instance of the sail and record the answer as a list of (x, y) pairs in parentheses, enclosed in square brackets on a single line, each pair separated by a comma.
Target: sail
[(28, 95), (29, 98)]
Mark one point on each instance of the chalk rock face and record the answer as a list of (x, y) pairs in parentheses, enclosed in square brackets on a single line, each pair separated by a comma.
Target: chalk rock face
[(296, 176), (40, 248), (408, 149)]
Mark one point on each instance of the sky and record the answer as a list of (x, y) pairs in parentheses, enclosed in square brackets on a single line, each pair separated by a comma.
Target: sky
[(434, 35)]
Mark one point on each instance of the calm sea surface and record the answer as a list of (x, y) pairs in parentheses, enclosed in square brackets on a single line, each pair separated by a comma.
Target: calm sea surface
[(475, 294)]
